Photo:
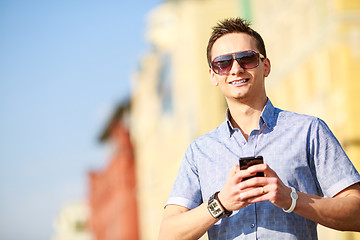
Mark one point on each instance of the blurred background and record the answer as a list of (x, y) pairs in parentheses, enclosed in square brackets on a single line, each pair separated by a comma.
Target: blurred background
[(99, 101)]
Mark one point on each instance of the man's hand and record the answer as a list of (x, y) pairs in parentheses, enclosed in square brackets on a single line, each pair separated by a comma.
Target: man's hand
[(340, 212), (238, 194), (268, 188)]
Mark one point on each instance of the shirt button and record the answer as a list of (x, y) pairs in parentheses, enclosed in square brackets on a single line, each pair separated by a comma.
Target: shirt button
[(252, 225)]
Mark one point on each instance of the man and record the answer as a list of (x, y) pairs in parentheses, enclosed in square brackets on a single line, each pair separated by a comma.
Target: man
[(308, 177)]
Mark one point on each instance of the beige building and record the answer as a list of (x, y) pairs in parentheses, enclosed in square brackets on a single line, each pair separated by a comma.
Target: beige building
[(315, 51), (314, 47)]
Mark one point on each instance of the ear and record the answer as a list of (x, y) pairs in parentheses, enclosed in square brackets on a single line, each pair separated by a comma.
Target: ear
[(267, 67), (213, 78)]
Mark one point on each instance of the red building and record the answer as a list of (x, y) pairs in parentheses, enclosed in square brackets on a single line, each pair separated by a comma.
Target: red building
[(112, 196)]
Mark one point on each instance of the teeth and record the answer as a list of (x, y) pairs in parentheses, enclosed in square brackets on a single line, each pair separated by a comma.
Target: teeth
[(238, 82)]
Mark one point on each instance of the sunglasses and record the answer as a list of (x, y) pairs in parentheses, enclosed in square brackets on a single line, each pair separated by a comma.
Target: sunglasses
[(247, 59)]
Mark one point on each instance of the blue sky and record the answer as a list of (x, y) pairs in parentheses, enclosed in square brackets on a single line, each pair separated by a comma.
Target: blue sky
[(64, 66)]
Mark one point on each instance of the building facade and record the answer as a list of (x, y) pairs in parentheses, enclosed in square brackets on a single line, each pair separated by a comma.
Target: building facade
[(314, 50), (173, 100), (112, 191), (314, 47)]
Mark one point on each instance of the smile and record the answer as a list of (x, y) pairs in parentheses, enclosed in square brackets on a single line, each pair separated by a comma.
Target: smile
[(237, 82)]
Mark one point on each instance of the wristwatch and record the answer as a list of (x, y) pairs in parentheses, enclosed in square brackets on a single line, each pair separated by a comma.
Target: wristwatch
[(294, 197), (216, 209)]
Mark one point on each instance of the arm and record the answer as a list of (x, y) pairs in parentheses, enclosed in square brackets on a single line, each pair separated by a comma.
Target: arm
[(181, 223), (342, 212)]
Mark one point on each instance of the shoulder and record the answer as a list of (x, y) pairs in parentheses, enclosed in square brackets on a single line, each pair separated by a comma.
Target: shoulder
[(311, 127), (299, 125), (289, 115), (297, 119)]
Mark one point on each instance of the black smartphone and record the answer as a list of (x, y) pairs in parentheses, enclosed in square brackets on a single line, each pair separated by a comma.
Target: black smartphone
[(246, 162)]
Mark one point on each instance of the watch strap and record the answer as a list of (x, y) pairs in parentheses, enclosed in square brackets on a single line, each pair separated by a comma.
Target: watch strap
[(219, 211), (294, 197), (226, 212)]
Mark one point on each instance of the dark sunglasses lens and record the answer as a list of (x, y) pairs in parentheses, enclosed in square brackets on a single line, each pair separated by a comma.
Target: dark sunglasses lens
[(250, 60), (222, 64)]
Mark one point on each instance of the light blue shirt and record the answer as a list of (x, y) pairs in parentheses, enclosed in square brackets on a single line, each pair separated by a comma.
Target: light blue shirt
[(300, 149)]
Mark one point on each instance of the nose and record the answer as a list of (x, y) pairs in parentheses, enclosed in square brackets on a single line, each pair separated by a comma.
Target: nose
[(236, 68)]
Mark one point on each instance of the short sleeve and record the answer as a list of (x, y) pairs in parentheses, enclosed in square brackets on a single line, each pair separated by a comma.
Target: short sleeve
[(333, 169), (186, 191)]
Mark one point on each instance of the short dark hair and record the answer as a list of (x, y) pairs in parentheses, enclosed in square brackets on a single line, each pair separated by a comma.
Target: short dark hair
[(234, 25)]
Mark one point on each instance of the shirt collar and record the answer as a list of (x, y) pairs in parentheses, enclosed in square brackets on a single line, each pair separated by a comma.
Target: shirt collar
[(267, 117)]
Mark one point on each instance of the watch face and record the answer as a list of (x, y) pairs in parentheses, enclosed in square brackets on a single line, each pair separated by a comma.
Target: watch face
[(215, 209), (294, 195)]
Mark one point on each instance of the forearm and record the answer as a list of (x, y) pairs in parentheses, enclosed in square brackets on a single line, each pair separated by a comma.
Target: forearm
[(191, 224), (341, 213)]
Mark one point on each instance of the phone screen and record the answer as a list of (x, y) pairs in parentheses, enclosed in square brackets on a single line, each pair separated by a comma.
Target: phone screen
[(246, 162)]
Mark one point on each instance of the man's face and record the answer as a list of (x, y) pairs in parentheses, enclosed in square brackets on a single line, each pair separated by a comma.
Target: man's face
[(246, 85)]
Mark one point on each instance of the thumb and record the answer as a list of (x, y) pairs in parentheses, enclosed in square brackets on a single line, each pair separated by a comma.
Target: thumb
[(233, 170), (269, 172)]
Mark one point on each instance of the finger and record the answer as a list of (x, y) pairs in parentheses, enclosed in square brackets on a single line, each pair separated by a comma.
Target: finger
[(269, 172), (233, 175), (246, 173), (253, 183), (258, 168), (233, 171), (262, 168), (259, 198), (261, 195), (252, 193)]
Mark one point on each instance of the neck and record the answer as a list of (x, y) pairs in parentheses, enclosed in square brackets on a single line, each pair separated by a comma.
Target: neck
[(245, 116)]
